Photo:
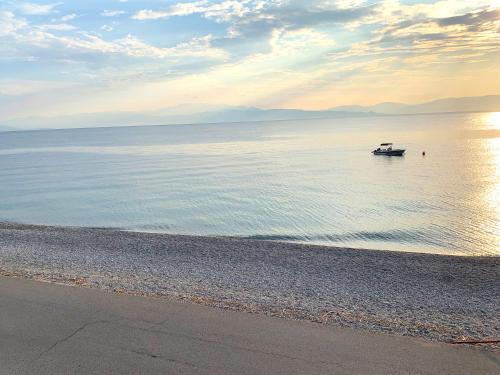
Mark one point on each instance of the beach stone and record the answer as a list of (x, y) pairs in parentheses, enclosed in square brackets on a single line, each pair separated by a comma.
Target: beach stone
[(439, 297)]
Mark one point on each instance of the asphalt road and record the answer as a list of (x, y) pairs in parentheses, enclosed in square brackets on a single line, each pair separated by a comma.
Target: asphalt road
[(54, 329)]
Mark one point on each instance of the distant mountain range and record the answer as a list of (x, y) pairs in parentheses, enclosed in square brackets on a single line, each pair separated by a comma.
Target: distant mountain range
[(196, 113), (490, 103)]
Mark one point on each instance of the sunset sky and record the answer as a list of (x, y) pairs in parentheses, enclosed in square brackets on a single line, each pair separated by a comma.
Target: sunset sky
[(65, 57)]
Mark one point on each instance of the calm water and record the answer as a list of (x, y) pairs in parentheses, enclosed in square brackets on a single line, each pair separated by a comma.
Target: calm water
[(308, 181)]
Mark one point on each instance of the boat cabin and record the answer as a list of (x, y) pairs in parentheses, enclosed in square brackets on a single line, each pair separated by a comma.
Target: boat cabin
[(385, 147)]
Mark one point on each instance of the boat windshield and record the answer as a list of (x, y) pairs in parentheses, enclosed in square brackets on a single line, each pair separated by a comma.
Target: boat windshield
[(385, 147)]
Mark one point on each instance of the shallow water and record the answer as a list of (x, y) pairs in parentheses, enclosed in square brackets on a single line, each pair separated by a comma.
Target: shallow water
[(311, 181)]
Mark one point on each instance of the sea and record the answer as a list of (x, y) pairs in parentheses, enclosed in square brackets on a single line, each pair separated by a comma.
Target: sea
[(307, 181)]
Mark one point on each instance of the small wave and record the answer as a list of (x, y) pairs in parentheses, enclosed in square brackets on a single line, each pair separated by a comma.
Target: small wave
[(151, 227), (399, 236)]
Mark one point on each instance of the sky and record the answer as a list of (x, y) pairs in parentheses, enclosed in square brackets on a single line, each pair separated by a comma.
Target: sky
[(84, 56)]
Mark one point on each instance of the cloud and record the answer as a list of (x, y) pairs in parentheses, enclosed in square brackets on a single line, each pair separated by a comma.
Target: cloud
[(184, 9), (402, 30), (37, 9), (32, 40), (315, 16), (58, 27), (196, 47), (9, 24), (471, 19), (251, 24), (69, 17), (280, 11), (221, 11), (107, 28), (148, 14), (112, 13)]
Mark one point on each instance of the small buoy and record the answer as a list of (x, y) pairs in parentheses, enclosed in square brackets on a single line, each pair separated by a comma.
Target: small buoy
[(423, 153)]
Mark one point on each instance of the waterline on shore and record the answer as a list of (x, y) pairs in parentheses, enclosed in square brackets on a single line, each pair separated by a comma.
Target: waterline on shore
[(434, 296)]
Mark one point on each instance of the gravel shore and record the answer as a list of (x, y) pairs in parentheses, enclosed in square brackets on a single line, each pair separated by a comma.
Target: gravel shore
[(434, 296)]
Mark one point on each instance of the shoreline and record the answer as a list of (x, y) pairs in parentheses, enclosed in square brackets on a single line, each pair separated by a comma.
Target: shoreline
[(283, 239), (438, 297)]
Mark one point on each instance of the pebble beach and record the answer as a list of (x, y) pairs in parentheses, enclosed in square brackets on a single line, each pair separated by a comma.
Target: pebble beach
[(437, 297)]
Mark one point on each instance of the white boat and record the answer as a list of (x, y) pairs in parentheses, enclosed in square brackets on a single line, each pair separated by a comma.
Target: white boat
[(386, 149)]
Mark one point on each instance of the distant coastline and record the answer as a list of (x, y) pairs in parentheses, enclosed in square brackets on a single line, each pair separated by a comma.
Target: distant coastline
[(360, 115), (216, 115)]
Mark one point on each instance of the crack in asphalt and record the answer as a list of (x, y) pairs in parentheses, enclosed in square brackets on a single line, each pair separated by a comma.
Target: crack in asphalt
[(163, 358), (194, 338), (66, 338)]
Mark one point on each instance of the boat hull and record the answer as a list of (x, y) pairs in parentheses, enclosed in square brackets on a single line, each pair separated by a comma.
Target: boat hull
[(389, 152)]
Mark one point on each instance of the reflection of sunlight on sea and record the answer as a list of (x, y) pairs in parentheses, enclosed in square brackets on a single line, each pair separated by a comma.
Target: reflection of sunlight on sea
[(492, 120), (493, 190)]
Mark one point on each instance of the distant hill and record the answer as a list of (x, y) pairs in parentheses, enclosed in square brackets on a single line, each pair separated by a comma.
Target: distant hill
[(199, 113), (257, 114), (490, 103)]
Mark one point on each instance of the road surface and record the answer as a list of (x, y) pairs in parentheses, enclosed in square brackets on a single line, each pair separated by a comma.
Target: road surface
[(55, 329)]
